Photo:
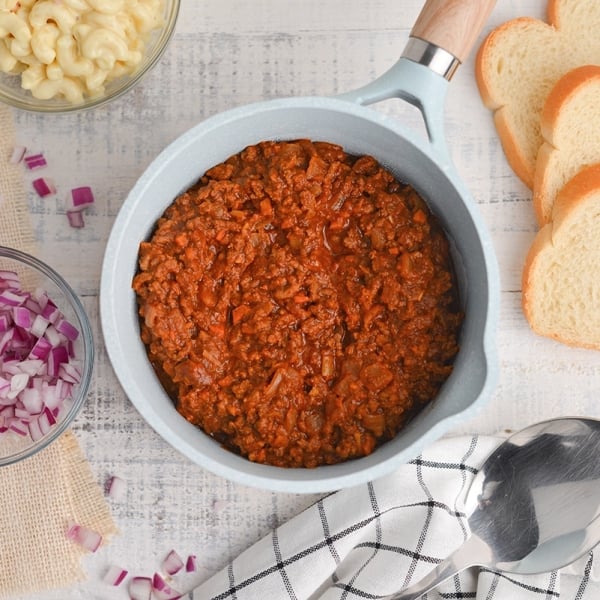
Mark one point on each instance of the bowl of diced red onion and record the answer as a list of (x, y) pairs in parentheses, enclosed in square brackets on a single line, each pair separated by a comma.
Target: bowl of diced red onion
[(46, 355)]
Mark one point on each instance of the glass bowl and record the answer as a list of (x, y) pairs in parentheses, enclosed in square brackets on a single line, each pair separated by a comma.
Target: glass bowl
[(12, 93), (45, 415)]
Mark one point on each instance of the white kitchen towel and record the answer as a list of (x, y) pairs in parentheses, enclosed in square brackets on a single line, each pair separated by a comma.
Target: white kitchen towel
[(375, 539)]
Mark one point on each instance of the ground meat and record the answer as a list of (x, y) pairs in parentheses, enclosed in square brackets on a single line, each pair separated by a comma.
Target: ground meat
[(298, 304)]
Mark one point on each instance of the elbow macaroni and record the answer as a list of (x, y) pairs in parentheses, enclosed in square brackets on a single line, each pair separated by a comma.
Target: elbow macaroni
[(72, 48)]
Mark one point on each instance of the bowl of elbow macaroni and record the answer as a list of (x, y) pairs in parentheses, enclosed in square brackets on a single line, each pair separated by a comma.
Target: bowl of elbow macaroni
[(66, 55)]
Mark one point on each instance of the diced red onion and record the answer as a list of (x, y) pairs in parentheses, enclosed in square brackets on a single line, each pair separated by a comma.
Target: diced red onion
[(48, 417), (49, 309), (172, 563), (32, 401), (85, 537), (55, 395), (22, 317), (75, 219), (116, 488), (17, 155), (140, 588), (22, 414), (32, 305), (67, 329), (53, 336), (6, 339), (45, 421), (38, 366), (9, 279), (11, 298), (18, 383), (35, 431), (35, 161), (5, 321), (69, 372), (82, 197), (31, 366), (114, 575), (18, 428), (161, 590), (39, 326), (44, 187), (191, 564), (57, 356), (158, 583), (8, 412)]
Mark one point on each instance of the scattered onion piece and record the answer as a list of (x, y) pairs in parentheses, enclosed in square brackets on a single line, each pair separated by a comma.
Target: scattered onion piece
[(82, 197), (17, 155), (35, 161), (172, 563), (75, 219), (44, 187), (85, 537), (140, 588), (116, 488), (191, 564), (158, 583), (114, 575), (161, 590)]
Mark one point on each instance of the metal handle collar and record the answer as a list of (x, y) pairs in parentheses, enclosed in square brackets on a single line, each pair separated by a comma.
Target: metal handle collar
[(437, 59)]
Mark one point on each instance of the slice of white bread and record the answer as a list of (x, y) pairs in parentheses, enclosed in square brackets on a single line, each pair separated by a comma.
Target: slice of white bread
[(570, 126), (519, 63), (561, 277)]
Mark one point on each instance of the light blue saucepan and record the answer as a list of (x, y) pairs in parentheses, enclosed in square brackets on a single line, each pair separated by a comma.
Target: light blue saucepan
[(441, 38)]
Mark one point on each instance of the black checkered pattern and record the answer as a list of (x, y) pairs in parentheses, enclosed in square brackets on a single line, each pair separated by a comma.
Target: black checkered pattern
[(372, 540)]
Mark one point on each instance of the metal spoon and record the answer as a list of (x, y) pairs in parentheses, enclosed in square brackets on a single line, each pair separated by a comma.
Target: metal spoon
[(533, 507)]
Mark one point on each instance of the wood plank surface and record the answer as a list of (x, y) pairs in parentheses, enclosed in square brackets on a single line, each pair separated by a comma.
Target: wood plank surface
[(227, 53)]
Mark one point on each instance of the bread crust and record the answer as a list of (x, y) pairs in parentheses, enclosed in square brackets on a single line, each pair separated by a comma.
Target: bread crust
[(483, 70), (542, 240), (521, 147), (576, 191), (553, 12), (586, 182), (516, 157), (539, 184), (566, 89)]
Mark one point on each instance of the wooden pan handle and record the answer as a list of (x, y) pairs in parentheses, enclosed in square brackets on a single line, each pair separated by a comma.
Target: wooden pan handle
[(453, 25)]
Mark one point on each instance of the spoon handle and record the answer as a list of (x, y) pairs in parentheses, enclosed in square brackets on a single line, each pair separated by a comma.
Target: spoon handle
[(473, 551)]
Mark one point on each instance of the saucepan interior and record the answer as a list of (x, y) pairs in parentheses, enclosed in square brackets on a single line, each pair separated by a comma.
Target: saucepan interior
[(360, 131)]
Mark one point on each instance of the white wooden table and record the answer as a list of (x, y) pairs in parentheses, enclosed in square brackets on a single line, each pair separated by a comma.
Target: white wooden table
[(226, 53)]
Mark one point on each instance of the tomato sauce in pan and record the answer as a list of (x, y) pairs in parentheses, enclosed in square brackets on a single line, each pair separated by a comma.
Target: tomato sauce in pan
[(299, 304)]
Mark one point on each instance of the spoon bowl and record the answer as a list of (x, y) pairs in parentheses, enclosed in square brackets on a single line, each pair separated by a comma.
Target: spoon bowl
[(533, 507)]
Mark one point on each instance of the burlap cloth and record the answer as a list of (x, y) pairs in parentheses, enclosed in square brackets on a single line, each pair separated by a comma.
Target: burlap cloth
[(39, 495)]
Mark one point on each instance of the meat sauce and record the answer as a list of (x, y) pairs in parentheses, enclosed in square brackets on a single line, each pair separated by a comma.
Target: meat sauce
[(299, 304)]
